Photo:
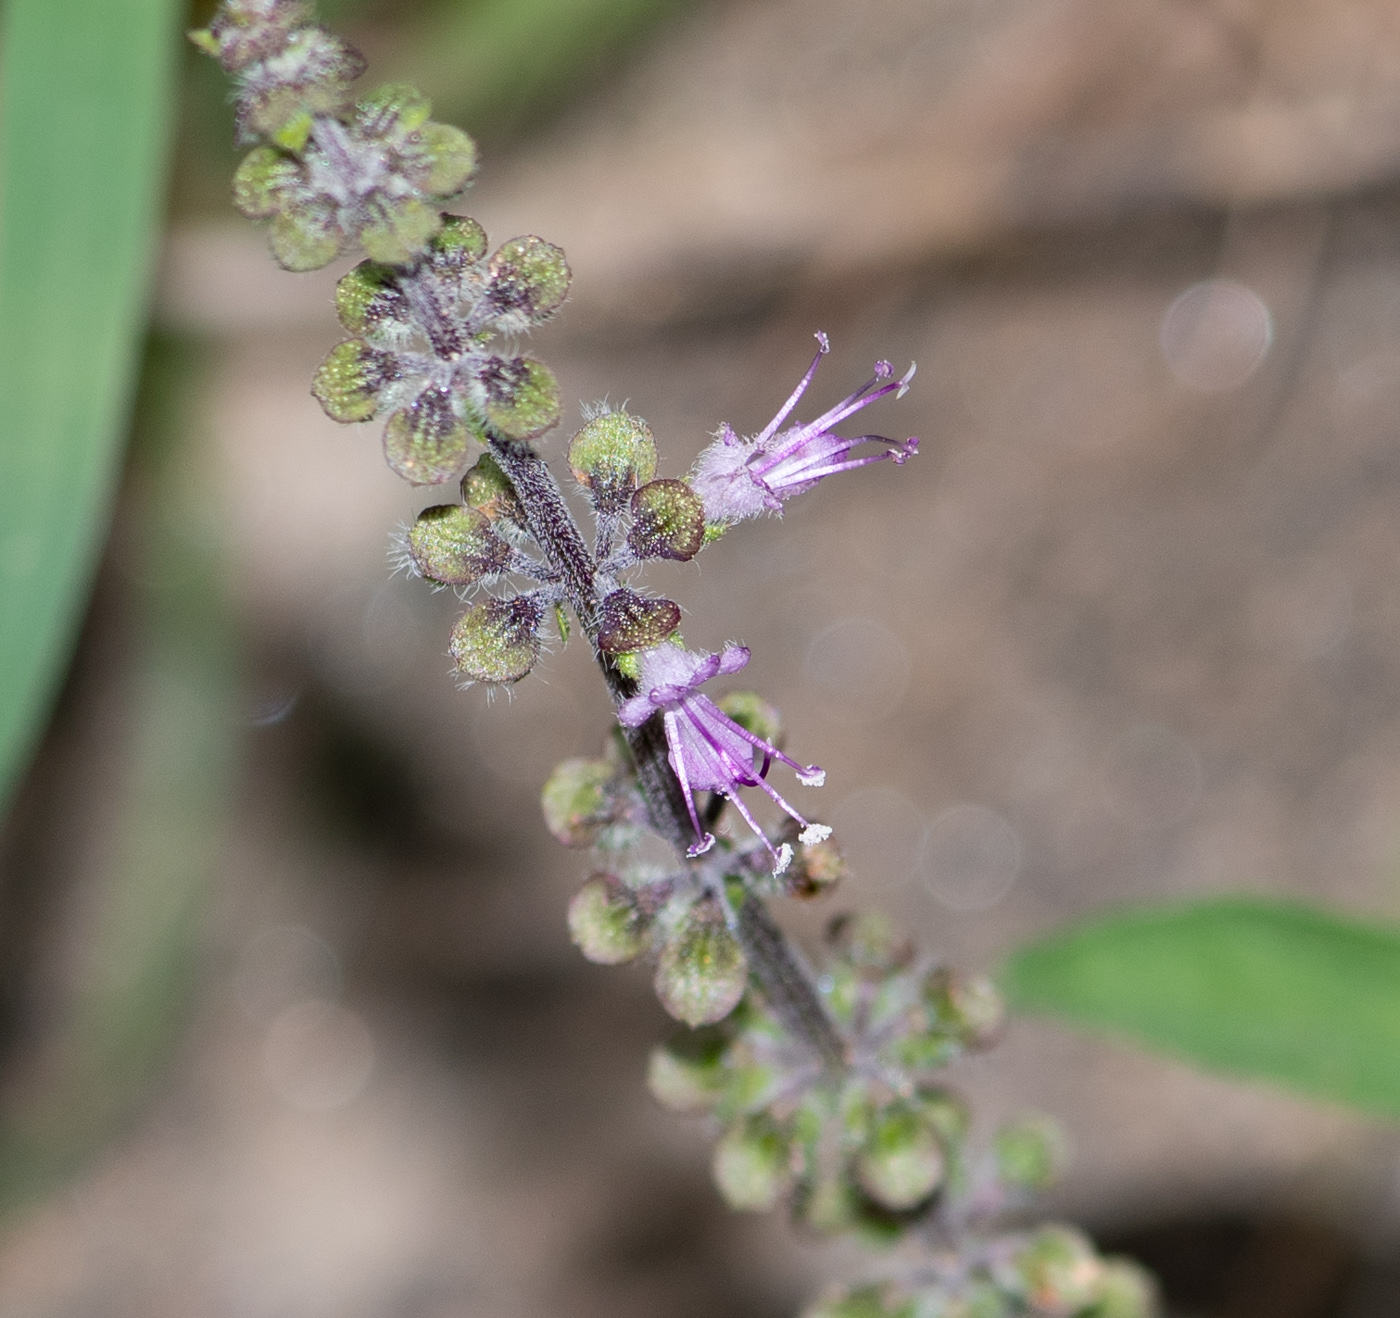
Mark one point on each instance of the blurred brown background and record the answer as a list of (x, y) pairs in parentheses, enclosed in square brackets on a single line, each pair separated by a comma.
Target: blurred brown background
[(1136, 604)]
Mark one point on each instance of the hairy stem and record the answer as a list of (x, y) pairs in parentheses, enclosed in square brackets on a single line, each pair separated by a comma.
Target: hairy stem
[(785, 980)]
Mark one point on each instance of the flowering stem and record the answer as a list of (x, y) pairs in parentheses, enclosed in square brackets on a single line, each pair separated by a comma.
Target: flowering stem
[(786, 982)]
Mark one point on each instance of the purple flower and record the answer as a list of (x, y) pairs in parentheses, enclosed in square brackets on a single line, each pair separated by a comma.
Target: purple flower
[(739, 478), (708, 750)]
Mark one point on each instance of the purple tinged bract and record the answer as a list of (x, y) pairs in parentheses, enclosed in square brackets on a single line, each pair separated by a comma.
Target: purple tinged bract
[(738, 478), (709, 751)]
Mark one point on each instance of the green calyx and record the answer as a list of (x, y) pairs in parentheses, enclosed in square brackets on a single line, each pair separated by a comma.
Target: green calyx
[(1057, 1271), (606, 923), (1029, 1153), (487, 488), (611, 456), (702, 971), (668, 521), (348, 381), (754, 714), (447, 160), (262, 180), (498, 640), (901, 1162), (629, 622), (426, 442), (395, 108), (874, 1301), (577, 801), (305, 237), (456, 546), (401, 230), (365, 296), (529, 280), (520, 397), (689, 1074), (460, 241), (1124, 1291), (752, 1164)]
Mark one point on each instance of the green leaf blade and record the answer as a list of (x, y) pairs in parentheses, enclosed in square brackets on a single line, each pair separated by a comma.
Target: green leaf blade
[(1253, 988), (86, 91)]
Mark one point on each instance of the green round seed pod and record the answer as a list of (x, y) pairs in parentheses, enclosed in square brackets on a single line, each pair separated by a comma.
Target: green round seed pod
[(754, 714), (946, 1113), (689, 1073), (816, 867), (460, 241), (348, 381), (529, 281), (668, 521), (751, 1164), (627, 621), (969, 1009), (448, 160), (577, 801), (1057, 1270), (869, 942), (612, 455), (498, 640), (702, 971), (606, 923), (304, 237), (1124, 1291), (396, 107), (520, 397), (367, 296), (901, 1162), (486, 487), (425, 442), (262, 180), (402, 230), (456, 546), (1029, 1153)]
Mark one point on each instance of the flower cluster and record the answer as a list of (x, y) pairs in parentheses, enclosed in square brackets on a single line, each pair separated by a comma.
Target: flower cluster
[(330, 174), (826, 1087), (421, 353)]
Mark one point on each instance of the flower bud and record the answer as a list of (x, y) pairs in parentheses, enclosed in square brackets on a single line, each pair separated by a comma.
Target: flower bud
[(426, 442), (901, 1162), (1056, 1270), (668, 521), (702, 971), (446, 159), (1029, 1153), (689, 1073), (751, 1164), (1124, 1291), (946, 1113), (529, 282), (369, 296), (456, 546), (606, 923), (348, 382), (309, 75), (612, 455), (304, 236), (401, 230), (578, 801), (628, 622), (488, 489), (520, 396), (498, 641)]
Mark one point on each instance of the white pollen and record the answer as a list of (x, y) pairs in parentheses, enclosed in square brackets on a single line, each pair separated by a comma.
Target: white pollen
[(813, 777), (784, 858), (814, 833)]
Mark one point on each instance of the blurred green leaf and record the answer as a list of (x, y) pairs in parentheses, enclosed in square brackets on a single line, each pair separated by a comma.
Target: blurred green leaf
[(86, 90), (112, 1018), (494, 66), (1254, 988)]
